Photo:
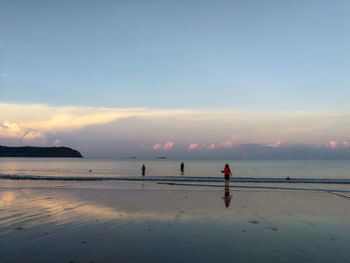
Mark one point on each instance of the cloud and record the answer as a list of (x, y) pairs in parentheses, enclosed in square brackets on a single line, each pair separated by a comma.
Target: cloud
[(229, 143), (225, 144), (4, 75), (57, 142), (9, 129), (34, 137), (276, 144), (67, 118), (332, 144), (26, 135), (157, 146), (123, 130), (336, 144), (18, 118), (250, 144), (192, 146), (208, 147), (12, 130), (167, 146)]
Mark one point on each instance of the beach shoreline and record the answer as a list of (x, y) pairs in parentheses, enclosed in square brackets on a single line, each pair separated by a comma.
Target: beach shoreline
[(147, 221)]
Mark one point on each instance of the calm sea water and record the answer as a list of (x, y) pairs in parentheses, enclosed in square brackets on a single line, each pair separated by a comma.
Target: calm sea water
[(198, 168)]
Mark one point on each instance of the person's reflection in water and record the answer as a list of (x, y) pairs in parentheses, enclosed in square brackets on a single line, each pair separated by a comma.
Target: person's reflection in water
[(227, 198)]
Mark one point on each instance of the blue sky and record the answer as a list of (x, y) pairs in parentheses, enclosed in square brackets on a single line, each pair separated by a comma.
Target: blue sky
[(262, 56)]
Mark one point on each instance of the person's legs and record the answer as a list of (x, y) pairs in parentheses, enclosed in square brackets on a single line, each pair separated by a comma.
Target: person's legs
[(227, 178)]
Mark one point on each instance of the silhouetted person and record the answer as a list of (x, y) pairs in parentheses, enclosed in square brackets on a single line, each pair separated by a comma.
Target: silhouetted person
[(227, 172), (227, 197), (143, 169), (182, 167)]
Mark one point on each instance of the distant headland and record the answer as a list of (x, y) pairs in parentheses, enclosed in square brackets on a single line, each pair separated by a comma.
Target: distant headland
[(30, 151)]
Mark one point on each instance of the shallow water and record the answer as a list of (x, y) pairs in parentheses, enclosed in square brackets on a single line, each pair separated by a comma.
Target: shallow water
[(146, 222), (312, 169)]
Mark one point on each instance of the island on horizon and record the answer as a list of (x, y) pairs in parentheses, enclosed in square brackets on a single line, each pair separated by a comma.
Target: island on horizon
[(32, 151)]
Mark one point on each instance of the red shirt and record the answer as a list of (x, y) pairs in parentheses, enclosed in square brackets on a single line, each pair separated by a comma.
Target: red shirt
[(227, 171)]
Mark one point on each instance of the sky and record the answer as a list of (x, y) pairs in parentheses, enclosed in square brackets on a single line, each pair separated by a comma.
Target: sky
[(194, 79)]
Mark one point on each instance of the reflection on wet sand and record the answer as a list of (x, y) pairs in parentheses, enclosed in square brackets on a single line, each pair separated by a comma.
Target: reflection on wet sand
[(227, 198), (140, 225), (7, 198), (66, 209), (62, 208)]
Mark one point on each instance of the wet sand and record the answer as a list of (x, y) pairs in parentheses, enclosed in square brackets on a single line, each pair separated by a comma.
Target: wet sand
[(151, 222)]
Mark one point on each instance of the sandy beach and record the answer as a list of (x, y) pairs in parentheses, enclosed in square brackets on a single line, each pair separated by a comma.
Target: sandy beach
[(150, 222)]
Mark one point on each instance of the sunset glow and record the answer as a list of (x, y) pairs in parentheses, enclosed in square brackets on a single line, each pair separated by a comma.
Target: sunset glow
[(54, 126)]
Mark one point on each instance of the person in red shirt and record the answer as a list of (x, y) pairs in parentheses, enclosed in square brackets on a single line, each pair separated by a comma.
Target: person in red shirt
[(227, 172)]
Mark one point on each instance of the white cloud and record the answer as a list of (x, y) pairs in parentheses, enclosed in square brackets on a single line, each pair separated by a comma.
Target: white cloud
[(24, 134)]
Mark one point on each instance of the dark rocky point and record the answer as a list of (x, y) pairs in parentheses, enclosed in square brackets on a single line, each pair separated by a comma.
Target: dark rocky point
[(30, 151)]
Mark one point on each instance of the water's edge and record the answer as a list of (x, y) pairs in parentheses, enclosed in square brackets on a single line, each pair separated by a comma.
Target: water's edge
[(178, 179)]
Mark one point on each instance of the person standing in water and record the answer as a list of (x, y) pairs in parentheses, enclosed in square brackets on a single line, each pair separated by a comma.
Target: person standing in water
[(227, 172), (182, 167), (143, 169)]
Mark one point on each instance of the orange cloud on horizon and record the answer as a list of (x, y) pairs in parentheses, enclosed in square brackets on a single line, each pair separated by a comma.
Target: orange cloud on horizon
[(157, 146), (212, 146), (276, 144), (167, 146), (332, 144), (192, 146)]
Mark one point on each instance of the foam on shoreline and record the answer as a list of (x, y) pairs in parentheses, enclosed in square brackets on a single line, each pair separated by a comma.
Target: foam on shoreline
[(178, 179)]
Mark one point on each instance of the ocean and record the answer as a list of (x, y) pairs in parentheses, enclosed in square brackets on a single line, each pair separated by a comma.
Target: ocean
[(131, 168), (161, 221)]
